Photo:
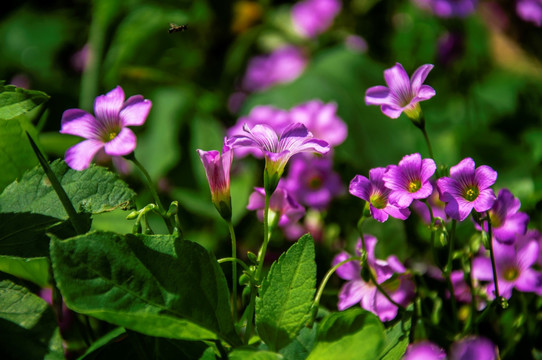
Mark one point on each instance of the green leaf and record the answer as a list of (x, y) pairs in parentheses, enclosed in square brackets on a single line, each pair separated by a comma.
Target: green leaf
[(27, 324), (16, 155), (97, 346), (15, 101), (35, 270), (286, 295), (93, 190), (253, 354), (353, 333), (156, 285), (302, 344), (23, 234), (396, 340)]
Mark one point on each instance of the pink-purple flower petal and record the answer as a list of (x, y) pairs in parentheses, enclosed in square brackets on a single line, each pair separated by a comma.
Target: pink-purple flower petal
[(80, 123), (135, 111), (377, 95), (79, 156), (123, 144)]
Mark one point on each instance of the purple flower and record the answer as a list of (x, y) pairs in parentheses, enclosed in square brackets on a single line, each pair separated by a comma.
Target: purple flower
[(448, 8), (399, 287), (278, 149), (409, 180), (424, 350), (376, 194), (474, 347), (402, 93), (530, 10), (108, 130), (313, 17), (321, 120), (450, 47), (217, 168), (356, 43), (462, 290), (276, 118), (282, 207), (513, 264), (281, 66), (467, 188), (453, 8), (506, 221), (437, 207), (313, 181)]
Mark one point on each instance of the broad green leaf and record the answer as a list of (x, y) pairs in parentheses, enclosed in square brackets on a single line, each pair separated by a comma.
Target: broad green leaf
[(397, 339), (93, 190), (27, 324), (286, 295), (15, 101), (156, 285), (23, 234), (350, 334), (253, 354), (35, 269), (16, 155), (302, 345)]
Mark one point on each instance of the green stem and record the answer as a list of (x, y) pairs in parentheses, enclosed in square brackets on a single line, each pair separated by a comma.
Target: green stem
[(148, 181), (447, 274), (492, 255), (326, 278), (266, 237), (233, 270), (238, 261), (250, 313), (429, 148), (364, 257)]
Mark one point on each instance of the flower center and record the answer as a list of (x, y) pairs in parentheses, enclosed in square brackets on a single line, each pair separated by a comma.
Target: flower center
[(112, 135), (471, 193), (510, 274), (414, 185), (315, 182), (378, 201)]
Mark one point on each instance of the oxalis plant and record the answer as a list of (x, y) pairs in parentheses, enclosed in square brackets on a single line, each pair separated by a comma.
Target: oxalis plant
[(70, 291)]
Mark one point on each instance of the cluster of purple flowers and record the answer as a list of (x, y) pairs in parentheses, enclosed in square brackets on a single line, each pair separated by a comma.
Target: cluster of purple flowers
[(313, 17), (311, 180), (389, 273), (448, 8), (468, 348)]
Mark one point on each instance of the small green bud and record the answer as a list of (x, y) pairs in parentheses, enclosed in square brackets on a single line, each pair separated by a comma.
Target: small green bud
[(252, 257)]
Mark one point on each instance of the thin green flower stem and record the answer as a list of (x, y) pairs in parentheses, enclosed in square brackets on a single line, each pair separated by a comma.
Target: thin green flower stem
[(470, 324), (429, 148), (238, 261), (261, 257), (250, 313), (371, 275), (492, 256), (266, 237), (233, 270), (326, 278), (154, 194), (447, 274)]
